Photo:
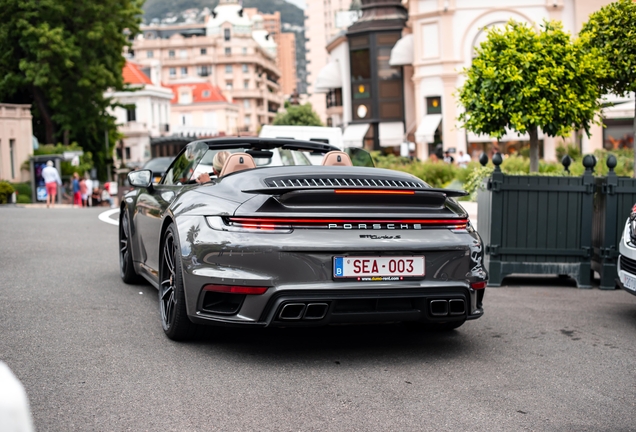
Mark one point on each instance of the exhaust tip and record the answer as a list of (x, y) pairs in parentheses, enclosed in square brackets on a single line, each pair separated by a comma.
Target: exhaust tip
[(316, 311), (292, 311), (457, 307), (439, 307)]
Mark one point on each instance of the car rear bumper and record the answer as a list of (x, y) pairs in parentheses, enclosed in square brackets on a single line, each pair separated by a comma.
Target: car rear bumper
[(303, 308)]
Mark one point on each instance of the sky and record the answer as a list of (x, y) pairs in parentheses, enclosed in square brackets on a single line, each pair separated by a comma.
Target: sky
[(299, 3)]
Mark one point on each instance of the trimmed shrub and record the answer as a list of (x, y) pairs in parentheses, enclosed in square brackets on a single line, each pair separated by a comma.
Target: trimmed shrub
[(5, 191)]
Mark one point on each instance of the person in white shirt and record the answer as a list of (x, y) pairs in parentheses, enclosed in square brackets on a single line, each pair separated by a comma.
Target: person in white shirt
[(51, 180), (463, 160)]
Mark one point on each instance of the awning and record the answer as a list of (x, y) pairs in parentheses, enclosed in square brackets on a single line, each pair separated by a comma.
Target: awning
[(402, 52), (391, 134), (353, 135), (510, 135), (426, 130), (328, 78), (623, 110)]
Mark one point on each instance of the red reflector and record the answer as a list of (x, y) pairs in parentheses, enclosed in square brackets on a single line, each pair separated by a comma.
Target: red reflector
[(478, 285), (232, 289), (374, 192)]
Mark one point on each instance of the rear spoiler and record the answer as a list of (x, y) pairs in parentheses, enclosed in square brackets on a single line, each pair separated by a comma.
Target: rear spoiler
[(449, 193)]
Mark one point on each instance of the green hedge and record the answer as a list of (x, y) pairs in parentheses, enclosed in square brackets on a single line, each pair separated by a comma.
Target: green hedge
[(23, 192), (440, 174)]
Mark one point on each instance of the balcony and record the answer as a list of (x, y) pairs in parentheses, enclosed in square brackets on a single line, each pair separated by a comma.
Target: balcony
[(199, 131)]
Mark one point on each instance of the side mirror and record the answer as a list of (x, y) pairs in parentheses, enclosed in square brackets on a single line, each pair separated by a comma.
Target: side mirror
[(141, 178)]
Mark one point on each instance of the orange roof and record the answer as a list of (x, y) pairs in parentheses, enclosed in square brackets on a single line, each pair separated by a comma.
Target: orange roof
[(201, 92), (133, 75)]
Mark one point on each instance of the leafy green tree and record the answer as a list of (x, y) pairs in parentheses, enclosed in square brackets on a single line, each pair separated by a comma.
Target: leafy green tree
[(61, 56), (524, 80), (297, 115), (611, 31)]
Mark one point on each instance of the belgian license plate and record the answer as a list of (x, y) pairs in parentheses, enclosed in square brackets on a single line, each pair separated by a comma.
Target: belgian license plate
[(368, 268), (630, 282)]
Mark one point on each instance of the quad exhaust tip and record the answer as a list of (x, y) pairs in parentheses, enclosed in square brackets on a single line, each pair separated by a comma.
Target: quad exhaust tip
[(298, 311), (451, 307)]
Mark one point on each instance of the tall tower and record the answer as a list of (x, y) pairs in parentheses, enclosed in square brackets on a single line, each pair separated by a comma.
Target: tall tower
[(377, 88)]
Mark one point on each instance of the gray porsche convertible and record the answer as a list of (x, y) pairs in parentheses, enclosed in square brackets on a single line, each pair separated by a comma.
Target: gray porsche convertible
[(275, 241)]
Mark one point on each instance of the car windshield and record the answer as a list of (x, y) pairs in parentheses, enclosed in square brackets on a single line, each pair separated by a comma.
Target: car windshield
[(273, 157)]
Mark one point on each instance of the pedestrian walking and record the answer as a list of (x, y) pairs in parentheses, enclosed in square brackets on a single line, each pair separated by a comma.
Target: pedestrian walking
[(77, 195), (51, 180), (83, 192), (448, 158), (89, 189)]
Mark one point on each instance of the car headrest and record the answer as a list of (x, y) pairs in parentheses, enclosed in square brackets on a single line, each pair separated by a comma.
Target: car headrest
[(237, 162), (337, 158)]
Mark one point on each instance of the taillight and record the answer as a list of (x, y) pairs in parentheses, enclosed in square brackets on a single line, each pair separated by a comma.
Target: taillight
[(235, 289), (373, 192), (478, 285)]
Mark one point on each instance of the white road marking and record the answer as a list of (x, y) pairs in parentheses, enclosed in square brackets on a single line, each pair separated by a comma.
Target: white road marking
[(106, 217)]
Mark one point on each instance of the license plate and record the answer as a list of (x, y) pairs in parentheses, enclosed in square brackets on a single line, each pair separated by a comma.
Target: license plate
[(629, 282), (378, 268)]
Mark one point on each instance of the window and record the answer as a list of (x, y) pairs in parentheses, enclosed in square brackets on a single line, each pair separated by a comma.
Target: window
[(150, 54), (228, 69), (228, 51), (173, 72), (385, 71), (245, 68), (246, 84), (228, 85), (127, 153), (226, 34), (203, 71), (244, 51), (12, 157), (206, 93), (360, 65), (131, 113), (185, 96), (184, 71), (183, 53), (204, 51), (171, 53), (247, 120), (246, 104)]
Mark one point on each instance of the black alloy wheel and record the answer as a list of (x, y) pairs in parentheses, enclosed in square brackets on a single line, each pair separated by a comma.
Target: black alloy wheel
[(174, 319), (126, 267)]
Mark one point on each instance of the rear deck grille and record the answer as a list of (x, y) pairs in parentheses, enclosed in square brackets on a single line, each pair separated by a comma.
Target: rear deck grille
[(342, 181)]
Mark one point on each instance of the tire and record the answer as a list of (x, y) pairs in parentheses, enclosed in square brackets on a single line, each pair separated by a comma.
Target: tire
[(174, 318), (126, 266)]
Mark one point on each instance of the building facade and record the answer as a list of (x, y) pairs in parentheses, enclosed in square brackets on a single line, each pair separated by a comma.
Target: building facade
[(323, 21), (16, 141), (444, 36), (146, 114), (229, 50)]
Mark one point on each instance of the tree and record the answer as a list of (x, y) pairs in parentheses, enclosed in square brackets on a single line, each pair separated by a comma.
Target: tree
[(61, 56), (524, 80), (297, 115), (611, 31)]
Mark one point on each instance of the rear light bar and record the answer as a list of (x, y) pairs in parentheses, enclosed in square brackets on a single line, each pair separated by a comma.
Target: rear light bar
[(282, 225), (235, 289), (374, 192), (478, 285), (273, 223)]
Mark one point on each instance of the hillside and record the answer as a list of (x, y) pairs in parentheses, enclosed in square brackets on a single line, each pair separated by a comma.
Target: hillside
[(160, 8)]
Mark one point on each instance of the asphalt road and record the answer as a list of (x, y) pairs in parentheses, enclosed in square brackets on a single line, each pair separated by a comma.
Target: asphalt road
[(92, 356)]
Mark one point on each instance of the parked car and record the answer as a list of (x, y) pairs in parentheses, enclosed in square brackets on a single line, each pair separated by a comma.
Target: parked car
[(158, 166), (265, 245), (627, 255)]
